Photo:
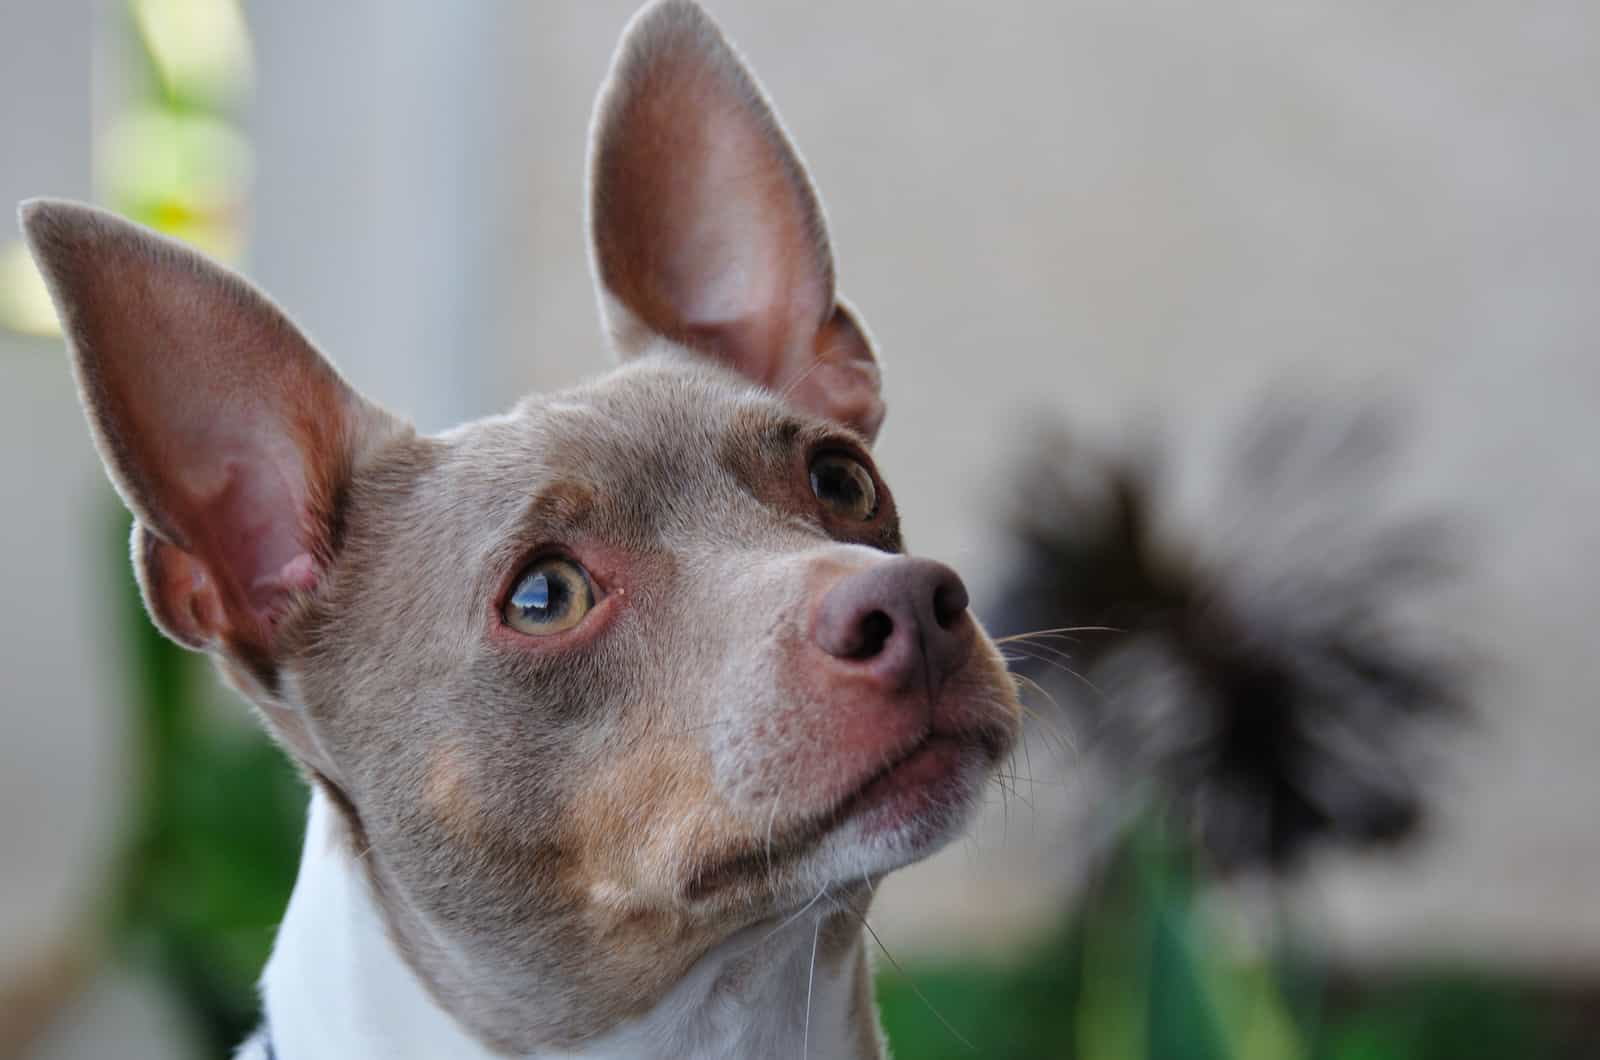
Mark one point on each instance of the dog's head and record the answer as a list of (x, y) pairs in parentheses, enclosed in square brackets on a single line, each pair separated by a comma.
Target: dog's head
[(600, 681)]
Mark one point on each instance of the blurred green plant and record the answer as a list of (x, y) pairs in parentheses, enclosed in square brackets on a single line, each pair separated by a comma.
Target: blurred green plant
[(24, 300), (214, 840), (172, 155), (215, 837), (1136, 971), (199, 49)]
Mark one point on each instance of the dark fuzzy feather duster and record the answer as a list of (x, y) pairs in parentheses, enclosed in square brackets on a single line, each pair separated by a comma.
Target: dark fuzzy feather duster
[(1268, 681)]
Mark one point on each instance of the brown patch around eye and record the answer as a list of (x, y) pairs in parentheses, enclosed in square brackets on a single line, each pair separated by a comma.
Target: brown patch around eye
[(569, 502), (758, 447), (885, 535), (770, 453)]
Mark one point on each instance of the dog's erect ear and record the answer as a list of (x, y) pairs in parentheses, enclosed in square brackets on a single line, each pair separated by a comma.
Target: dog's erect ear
[(226, 433), (705, 228)]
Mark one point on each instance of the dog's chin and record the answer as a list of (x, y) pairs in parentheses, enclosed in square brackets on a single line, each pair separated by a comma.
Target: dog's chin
[(902, 815), (904, 812)]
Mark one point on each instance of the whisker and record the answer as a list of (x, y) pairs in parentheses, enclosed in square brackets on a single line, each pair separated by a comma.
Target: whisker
[(1066, 742), (1069, 671), (1027, 762), (1005, 809), (821, 360), (1048, 783), (771, 817), (1044, 653), (1065, 745), (811, 979), (910, 981), (1051, 649), (1015, 794), (791, 918), (1033, 638), (1059, 629)]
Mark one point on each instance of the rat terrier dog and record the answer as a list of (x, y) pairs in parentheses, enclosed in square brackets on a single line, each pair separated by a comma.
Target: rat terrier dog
[(614, 707)]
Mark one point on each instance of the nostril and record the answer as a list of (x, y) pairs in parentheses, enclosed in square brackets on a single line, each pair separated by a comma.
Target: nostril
[(949, 603), (900, 616), (876, 629)]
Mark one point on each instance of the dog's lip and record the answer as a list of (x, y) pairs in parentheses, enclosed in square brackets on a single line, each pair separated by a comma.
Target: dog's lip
[(796, 840)]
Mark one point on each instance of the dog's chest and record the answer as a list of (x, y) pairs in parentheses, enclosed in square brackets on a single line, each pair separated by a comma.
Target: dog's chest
[(337, 988)]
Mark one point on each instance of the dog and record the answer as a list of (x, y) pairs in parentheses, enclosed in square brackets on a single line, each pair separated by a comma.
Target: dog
[(614, 708)]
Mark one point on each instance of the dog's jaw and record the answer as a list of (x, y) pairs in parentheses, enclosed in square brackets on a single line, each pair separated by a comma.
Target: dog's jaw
[(337, 987)]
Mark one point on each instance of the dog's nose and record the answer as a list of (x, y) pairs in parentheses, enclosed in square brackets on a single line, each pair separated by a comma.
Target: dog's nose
[(902, 621)]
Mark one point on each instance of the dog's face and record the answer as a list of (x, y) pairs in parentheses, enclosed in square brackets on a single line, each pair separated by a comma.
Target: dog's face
[(583, 800), (601, 681)]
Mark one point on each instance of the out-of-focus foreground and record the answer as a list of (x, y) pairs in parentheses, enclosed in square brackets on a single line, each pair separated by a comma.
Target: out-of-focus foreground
[(1286, 804)]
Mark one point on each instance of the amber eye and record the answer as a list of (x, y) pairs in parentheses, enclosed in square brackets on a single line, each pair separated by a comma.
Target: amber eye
[(844, 486), (552, 595)]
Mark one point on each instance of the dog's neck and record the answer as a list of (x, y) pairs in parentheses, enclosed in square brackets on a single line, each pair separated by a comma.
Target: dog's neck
[(336, 986)]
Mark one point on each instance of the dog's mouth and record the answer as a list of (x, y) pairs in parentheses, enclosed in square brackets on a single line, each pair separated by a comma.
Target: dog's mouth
[(912, 784)]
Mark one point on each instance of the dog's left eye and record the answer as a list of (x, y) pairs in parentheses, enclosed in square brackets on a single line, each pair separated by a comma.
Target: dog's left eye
[(844, 486), (553, 595)]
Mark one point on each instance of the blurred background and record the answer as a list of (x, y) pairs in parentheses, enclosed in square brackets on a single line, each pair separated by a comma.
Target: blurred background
[(1258, 336)]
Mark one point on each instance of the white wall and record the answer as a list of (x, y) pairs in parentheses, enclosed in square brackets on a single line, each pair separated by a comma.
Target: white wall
[(64, 766), (370, 130), (1151, 210), (59, 722)]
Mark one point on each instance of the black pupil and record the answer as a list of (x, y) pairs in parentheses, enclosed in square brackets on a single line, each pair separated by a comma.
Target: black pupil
[(543, 596), (842, 484)]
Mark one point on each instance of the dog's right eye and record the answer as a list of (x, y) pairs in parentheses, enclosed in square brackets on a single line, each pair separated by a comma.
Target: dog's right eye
[(552, 596), (844, 486)]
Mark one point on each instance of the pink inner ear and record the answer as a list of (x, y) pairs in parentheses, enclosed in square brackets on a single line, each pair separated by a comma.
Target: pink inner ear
[(225, 430), (300, 574), (250, 495), (741, 260), (706, 229), (705, 225)]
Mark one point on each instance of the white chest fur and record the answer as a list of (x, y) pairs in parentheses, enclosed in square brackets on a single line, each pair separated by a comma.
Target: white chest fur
[(337, 988)]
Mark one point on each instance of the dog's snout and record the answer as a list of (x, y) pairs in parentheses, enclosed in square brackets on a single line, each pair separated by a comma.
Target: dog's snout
[(902, 621)]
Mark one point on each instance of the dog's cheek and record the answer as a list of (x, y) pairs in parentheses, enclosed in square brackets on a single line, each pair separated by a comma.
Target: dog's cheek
[(637, 829), (761, 729), (641, 815), (447, 792), (763, 754)]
